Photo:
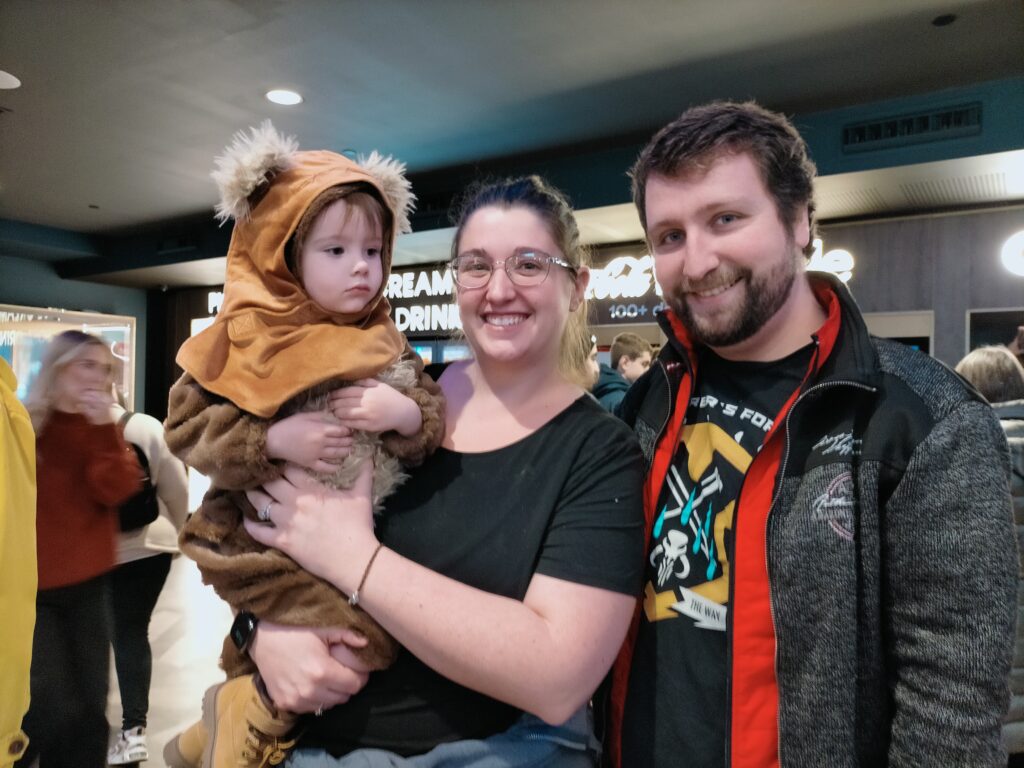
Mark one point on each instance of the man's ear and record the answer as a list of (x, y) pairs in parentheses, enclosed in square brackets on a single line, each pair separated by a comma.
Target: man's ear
[(801, 227)]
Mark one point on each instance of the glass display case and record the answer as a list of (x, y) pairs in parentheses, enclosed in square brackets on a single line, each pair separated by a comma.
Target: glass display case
[(25, 332)]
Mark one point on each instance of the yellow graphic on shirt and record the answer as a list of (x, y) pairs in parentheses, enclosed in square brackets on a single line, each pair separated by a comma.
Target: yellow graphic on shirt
[(690, 530)]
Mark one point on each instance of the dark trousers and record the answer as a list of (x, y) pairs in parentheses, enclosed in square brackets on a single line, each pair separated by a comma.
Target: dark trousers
[(135, 587), (66, 721)]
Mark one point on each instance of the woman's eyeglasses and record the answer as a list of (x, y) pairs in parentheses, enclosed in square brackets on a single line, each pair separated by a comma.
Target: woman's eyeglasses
[(474, 270)]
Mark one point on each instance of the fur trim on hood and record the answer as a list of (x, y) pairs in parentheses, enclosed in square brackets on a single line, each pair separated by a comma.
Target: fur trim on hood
[(254, 158), (251, 160), (390, 175)]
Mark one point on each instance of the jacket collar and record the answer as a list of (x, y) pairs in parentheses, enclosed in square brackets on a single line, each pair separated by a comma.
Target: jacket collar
[(851, 357)]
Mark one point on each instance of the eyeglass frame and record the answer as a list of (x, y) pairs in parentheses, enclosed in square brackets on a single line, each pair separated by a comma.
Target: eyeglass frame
[(543, 256)]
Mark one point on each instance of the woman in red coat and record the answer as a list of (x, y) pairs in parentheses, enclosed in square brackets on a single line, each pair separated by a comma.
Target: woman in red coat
[(83, 471)]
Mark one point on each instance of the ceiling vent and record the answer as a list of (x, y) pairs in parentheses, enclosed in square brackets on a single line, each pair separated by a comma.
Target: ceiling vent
[(917, 128)]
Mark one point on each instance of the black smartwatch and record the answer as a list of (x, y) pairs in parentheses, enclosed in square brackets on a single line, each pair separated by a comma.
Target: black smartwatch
[(243, 629)]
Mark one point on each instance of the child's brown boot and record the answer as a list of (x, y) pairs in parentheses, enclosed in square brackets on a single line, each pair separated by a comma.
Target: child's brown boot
[(186, 749), (245, 731)]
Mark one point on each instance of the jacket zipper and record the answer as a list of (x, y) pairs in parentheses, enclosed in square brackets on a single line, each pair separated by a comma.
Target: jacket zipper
[(767, 529)]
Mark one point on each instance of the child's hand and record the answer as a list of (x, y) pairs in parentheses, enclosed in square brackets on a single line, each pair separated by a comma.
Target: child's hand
[(315, 440), (372, 406)]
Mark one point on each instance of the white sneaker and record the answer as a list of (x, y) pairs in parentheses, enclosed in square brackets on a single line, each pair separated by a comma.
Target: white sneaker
[(130, 747)]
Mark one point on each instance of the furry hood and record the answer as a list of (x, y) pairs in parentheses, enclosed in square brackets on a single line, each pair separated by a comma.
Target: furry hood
[(255, 158), (270, 340)]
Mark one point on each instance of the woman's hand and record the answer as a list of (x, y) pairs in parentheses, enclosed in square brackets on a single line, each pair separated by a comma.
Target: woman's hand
[(316, 440), (373, 406), (307, 669), (95, 404), (328, 532)]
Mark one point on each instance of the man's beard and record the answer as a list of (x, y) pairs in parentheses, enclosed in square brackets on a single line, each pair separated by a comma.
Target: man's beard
[(763, 297)]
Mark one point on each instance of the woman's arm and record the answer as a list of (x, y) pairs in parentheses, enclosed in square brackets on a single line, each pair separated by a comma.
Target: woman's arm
[(545, 655), (112, 473), (167, 472)]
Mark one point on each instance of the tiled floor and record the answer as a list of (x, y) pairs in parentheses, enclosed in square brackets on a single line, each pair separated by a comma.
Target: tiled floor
[(186, 633)]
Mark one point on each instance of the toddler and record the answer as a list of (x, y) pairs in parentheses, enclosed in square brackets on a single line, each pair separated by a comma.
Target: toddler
[(304, 365)]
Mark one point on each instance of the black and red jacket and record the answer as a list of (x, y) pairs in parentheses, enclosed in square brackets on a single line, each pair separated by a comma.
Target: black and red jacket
[(826, 669)]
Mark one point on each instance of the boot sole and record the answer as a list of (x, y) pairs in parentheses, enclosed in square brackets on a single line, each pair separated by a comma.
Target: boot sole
[(173, 756), (210, 721)]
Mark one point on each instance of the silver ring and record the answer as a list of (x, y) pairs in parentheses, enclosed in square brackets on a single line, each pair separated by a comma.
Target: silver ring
[(319, 710), (264, 514)]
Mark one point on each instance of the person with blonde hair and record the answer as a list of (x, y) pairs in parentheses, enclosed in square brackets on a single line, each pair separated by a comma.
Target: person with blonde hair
[(84, 471), (506, 566), (999, 376), (995, 372)]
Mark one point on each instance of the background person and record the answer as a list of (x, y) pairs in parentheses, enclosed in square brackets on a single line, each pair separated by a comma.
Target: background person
[(17, 564), (84, 471), (506, 565), (631, 355), (999, 376), (143, 562), (854, 603)]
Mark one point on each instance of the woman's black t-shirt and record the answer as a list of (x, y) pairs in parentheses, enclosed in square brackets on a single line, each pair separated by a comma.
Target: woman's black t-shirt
[(565, 501)]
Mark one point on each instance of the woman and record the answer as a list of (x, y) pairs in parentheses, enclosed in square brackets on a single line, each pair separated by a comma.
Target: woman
[(999, 376), (507, 566), (143, 564), (83, 470)]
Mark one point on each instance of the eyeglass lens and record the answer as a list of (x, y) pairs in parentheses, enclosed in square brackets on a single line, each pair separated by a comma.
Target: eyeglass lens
[(524, 268)]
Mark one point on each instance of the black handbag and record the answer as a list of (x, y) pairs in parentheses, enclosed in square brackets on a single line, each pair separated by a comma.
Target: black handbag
[(142, 508)]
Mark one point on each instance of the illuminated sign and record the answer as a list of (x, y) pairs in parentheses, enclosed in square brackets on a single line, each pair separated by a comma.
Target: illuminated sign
[(214, 299), (623, 290), (837, 261), (422, 303)]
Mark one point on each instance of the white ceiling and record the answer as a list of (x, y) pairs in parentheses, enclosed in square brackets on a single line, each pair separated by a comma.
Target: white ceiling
[(124, 103)]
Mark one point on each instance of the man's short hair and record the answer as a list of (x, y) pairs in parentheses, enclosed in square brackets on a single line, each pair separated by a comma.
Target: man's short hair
[(629, 345), (701, 135)]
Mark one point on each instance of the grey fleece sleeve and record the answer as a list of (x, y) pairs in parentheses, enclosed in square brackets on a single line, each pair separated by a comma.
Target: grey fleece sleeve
[(950, 585)]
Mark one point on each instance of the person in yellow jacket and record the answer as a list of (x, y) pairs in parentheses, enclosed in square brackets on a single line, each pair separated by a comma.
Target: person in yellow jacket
[(18, 575)]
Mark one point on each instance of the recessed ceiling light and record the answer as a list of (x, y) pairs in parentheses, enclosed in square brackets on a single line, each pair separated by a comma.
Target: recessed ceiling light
[(284, 97), (7, 80)]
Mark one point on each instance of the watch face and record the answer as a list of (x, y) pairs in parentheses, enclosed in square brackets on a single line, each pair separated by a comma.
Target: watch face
[(242, 629)]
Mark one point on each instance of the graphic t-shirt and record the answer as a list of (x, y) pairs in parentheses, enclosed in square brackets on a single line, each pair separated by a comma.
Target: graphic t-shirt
[(675, 709), (565, 501)]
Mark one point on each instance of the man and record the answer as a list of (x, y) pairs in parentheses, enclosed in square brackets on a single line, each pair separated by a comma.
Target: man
[(631, 356), (609, 386), (831, 571), (17, 564)]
